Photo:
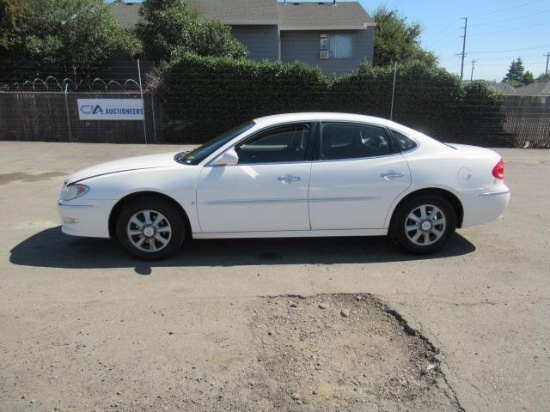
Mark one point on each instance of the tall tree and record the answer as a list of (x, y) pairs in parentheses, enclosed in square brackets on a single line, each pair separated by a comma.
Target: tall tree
[(76, 34), (163, 27), (169, 27), (517, 76), (213, 38), (395, 40), (11, 14)]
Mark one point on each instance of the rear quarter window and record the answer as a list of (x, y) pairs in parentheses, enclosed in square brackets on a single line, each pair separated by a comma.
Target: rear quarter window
[(405, 143)]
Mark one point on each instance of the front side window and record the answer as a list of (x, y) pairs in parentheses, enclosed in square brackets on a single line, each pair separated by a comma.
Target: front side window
[(279, 145), (350, 141)]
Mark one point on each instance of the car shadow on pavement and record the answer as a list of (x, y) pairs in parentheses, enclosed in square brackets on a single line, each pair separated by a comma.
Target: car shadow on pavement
[(51, 248)]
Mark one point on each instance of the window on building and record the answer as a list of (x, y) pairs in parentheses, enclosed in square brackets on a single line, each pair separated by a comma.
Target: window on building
[(341, 46)]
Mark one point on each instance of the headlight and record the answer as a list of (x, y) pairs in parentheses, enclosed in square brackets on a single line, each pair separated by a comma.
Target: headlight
[(73, 191)]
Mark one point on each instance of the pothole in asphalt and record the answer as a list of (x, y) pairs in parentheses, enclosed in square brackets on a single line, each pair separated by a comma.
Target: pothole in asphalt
[(345, 352)]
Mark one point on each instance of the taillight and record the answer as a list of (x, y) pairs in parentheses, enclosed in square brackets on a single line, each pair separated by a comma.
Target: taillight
[(498, 170)]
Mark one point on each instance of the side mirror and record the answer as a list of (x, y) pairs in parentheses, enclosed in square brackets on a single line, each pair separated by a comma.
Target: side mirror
[(228, 158)]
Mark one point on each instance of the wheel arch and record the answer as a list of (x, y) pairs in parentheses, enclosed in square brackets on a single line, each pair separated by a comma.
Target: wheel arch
[(119, 206), (445, 194)]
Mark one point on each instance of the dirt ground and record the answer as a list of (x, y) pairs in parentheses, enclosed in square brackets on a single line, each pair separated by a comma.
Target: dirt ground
[(318, 353), (347, 324)]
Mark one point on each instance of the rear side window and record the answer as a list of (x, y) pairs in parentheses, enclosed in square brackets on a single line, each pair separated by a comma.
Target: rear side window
[(405, 143), (351, 141)]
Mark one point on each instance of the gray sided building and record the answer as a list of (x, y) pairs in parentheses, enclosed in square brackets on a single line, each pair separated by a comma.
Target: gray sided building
[(334, 36), (337, 37)]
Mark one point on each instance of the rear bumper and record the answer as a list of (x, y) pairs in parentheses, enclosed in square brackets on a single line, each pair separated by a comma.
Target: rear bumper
[(485, 207)]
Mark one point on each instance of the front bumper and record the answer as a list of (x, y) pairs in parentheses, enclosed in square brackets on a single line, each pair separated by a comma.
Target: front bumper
[(83, 217)]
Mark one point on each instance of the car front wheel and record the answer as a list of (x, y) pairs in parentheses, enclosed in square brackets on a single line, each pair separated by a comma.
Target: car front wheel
[(423, 225), (150, 229)]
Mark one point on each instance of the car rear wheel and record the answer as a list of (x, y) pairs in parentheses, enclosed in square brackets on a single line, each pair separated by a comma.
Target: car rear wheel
[(150, 229), (423, 225)]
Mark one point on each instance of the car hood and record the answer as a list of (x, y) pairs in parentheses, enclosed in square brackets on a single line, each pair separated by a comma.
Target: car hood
[(125, 165)]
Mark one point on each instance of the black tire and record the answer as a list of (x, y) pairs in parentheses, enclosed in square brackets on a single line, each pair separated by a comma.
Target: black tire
[(424, 224), (150, 228)]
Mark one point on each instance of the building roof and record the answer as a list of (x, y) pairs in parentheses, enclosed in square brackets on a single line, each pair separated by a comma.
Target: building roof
[(323, 16), (238, 12), (289, 16), (503, 88), (539, 88)]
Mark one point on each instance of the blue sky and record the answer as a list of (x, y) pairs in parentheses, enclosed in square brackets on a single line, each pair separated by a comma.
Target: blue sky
[(499, 31)]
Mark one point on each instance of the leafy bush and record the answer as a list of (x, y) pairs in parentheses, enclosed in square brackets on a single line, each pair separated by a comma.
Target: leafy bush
[(424, 96), (482, 116), (205, 96)]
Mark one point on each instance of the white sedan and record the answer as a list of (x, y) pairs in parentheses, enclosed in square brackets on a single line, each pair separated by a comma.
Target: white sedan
[(304, 174)]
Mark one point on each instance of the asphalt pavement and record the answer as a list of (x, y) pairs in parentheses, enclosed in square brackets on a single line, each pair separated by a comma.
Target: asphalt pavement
[(484, 301)]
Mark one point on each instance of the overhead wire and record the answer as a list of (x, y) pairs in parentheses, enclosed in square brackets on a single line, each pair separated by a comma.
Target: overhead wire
[(515, 18), (493, 60), (506, 9), (508, 30), (510, 50)]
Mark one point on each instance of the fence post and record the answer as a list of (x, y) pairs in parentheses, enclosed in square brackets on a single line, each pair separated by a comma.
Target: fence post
[(142, 101), (68, 115), (154, 121), (393, 90)]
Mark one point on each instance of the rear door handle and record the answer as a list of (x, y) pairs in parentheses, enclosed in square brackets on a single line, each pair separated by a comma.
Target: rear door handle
[(391, 175), (286, 179)]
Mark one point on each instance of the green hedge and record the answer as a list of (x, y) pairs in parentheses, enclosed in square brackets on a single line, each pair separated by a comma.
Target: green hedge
[(425, 98), (206, 96)]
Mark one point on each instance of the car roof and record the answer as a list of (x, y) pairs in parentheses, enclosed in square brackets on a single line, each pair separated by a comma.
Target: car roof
[(322, 116), (277, 119)]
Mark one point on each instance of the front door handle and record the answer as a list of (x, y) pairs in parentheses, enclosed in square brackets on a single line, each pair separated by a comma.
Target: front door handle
[(286, 179), (391, 175)]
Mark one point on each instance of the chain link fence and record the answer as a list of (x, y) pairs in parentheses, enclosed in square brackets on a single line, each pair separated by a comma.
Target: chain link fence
[(46, 109)]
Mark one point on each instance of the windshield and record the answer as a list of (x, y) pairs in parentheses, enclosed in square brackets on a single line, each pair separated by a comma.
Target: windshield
[(196, 156)]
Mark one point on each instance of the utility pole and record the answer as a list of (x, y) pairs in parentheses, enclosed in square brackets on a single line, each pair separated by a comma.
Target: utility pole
[(463, 54), (547, 56), (473, 66)]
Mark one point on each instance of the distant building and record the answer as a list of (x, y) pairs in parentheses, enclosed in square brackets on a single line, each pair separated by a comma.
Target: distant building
[(539, 88), (335, 36)]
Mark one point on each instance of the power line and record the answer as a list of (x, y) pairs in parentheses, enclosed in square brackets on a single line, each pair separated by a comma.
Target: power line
[(510, 18), (507, 30), (506, 9), (506, 62), (440, 39), (511, 50), (463, 54), (446, 32)]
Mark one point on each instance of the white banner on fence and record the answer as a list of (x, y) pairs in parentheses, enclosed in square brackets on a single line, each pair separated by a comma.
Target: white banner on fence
[(110, 109)]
